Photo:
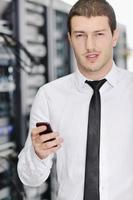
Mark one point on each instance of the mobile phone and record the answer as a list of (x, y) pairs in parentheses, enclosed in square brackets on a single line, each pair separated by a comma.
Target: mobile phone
[(48, 130)]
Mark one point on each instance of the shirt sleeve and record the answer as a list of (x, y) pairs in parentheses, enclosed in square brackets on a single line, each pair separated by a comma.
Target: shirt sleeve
[(32, 170)]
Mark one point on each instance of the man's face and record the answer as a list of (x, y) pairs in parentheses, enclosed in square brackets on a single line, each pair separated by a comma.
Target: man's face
[(92, 42)]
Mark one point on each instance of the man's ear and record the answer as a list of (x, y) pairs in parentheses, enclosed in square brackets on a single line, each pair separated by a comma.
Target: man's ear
[(116, 36)]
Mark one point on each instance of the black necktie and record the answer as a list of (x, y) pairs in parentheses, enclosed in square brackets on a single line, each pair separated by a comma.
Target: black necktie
[(91, 186)]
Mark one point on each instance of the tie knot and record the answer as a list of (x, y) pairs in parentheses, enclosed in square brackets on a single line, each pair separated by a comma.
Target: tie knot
[(96, 84)]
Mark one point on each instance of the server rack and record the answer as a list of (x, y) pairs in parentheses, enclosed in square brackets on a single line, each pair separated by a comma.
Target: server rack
[(120, 51), (9, 189), (42, 31), (32, 33), (61, 61)]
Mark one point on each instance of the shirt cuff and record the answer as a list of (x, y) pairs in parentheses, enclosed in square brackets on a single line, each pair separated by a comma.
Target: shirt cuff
[(31, 169)]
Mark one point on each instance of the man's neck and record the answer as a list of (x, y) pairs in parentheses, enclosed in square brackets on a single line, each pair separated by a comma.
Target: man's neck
[(96, 75)]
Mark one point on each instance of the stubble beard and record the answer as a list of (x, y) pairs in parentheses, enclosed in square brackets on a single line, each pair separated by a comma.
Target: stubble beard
[(94, 69)]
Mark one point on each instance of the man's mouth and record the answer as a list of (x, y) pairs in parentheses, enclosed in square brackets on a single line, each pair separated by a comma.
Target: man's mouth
[(92, 57)]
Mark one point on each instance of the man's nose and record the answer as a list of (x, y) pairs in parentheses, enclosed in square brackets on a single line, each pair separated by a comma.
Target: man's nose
[(90, 43)]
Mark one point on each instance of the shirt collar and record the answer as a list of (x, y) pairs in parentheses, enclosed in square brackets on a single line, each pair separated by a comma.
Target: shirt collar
[(112, 77)]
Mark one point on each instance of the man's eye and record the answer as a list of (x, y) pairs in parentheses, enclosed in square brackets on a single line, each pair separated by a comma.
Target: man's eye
[(99, 34), (79, 35)]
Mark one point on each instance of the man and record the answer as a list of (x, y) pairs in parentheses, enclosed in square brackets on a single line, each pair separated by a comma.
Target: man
[(64, 103)]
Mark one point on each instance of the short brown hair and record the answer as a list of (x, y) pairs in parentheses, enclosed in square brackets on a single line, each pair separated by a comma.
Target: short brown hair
[(89, 8)]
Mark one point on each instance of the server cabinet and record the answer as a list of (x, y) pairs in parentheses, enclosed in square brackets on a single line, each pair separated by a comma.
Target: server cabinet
[(32, 33), (41, 28), (9, 189), (60, 54), (120, 51)]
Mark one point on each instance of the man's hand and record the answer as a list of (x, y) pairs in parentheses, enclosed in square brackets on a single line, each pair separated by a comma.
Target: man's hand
[(45, 144)]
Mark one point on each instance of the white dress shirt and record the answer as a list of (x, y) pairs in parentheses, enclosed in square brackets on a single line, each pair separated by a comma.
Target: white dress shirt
[(65, 104)]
